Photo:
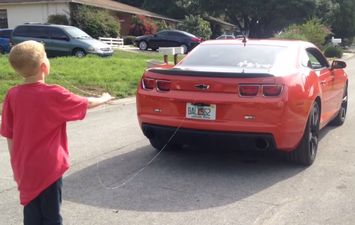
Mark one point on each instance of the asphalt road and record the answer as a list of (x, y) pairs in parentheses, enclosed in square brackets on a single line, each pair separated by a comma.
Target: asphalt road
[(194, 186)]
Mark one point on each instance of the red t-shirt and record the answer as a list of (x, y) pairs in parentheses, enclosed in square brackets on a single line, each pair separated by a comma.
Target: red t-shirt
[(34, 116)]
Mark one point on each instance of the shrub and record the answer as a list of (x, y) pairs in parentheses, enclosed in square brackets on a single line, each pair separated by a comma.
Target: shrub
[(332, 52), (96, 22), (292, 33), (61, 19), (128, 40), (161, 25), (141, 25), (313, 31), (197, 26)]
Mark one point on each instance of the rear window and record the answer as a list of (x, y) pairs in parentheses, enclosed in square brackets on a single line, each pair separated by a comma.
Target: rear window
[(5, 33), (250, 56), (32, 32)]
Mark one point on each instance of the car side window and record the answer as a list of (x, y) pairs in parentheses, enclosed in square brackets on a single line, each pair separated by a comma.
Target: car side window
[(58, 34), (162, 34), (5, 34), (21, 31), (38, 32), (175, 34), (318, 61)]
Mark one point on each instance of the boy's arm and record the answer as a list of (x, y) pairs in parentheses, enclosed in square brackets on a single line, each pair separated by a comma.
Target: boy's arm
[(94, 102), (9, 145)]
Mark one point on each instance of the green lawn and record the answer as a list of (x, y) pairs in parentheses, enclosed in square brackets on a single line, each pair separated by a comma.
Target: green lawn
[(118, 75)]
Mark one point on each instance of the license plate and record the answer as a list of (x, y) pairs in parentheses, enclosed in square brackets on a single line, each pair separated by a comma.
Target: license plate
[(201, 112)]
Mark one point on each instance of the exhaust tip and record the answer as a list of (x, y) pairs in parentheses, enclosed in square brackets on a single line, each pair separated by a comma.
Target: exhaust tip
[(149, 133), (261, 144)]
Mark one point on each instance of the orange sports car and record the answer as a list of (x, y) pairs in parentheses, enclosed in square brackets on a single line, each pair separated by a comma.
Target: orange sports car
[(246, 94)]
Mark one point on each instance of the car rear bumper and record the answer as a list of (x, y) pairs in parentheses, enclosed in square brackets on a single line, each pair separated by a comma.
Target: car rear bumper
[(237, 140), (220, 133)]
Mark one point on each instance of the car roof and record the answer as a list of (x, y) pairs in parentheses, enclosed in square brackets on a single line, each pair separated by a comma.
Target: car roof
[(272, 42), (44, 25), (181, 31), (6, 29)]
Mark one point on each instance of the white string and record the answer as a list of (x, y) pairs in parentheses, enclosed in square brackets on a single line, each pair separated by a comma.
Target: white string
[(139, 171)]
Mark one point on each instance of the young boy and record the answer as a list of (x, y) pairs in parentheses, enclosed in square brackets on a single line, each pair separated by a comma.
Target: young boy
[(34, 120)]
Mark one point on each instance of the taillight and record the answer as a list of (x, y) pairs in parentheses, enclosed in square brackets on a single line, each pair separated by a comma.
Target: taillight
[(272, 90), (248, 90), (148, 83), (268, 90), (163, 85), (10, 42), (196, 39)]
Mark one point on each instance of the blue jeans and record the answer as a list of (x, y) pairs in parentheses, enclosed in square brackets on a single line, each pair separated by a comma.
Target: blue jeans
[(45, 209)]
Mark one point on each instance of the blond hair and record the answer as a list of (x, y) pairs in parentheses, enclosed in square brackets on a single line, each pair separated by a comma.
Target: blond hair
[(27, 57)]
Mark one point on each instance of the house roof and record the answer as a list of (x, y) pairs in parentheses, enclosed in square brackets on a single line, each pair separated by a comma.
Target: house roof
[(107, 4), (210, 18)]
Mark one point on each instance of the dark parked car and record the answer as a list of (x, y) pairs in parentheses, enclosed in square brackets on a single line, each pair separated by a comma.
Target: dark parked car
[(5, 40), (168, 38)]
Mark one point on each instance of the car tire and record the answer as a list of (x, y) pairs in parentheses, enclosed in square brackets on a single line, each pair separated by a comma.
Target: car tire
[(340, 118), (143, 45), (79, 53), (306, 151), (184, 46), (2, 52), (159, 145)]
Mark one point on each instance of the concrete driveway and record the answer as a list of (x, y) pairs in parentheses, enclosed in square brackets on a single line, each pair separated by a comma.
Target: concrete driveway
[(194, 186)]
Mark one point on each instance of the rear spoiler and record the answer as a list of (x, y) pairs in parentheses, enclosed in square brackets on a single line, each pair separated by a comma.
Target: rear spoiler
[(198, 73)]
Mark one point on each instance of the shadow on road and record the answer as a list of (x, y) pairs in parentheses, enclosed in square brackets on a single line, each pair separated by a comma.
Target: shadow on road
[(191, 179), (323, 133)]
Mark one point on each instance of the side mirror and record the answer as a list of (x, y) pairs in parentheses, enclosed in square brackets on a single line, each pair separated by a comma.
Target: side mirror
[(154, 35), (337, 64)]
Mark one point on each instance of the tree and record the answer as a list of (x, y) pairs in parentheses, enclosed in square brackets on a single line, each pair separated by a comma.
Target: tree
[(135, 3), (259, 19), (197, 26), (343, 20), (176, 9), (95, 22)]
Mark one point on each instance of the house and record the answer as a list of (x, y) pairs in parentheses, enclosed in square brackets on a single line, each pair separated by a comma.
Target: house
[(16, 12), (227, 28)]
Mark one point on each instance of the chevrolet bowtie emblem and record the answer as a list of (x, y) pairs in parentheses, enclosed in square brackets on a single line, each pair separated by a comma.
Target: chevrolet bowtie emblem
[(202, 86)]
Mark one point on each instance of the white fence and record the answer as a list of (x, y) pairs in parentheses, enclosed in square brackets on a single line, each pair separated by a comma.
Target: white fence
[(113, 42)]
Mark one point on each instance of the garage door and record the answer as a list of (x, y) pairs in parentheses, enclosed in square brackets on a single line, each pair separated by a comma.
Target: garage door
[(3, 18)]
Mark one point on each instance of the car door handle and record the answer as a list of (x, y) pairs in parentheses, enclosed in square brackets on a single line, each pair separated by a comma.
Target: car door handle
[(323, 82)]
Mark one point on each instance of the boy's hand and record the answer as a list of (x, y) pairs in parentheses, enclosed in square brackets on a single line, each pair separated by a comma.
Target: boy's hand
[(107, 97)]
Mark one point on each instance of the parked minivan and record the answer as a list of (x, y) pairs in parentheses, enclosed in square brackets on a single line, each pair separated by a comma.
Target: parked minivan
[(5, 40), (60, 40)]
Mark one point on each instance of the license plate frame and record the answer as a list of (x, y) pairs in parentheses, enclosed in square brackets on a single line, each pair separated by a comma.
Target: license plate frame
[(201, 112)]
